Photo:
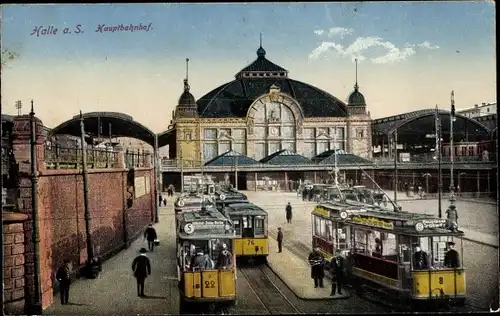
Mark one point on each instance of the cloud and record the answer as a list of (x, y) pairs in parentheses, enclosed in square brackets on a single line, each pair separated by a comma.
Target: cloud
[(339, 31), (318, 32), (363, 47)]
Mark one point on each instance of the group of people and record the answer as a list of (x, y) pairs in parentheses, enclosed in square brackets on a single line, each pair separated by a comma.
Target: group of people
[(200, 259), (337, 269), (421, 259)]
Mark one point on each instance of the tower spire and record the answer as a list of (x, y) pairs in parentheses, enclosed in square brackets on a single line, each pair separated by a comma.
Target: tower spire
[(186, 84), (356, 87), (260, 39)]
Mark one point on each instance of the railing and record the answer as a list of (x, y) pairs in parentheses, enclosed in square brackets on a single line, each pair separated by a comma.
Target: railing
[(430, 158), (57, 157), (137, 159)]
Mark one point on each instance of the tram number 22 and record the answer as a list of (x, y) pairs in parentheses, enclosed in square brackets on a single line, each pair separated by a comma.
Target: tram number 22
[(209, 284), (250, 242), (441, 281)]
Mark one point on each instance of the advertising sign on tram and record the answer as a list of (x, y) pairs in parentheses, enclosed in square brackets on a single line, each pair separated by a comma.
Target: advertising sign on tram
[(322, 211), (372, 221)]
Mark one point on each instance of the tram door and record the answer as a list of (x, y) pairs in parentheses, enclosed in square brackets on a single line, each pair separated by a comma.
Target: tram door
[(247, 231)]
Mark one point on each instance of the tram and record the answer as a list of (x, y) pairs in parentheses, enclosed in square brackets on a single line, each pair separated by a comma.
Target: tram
[(205, 236), (201, 191), (385, 252), (225, 195), (250, 223)]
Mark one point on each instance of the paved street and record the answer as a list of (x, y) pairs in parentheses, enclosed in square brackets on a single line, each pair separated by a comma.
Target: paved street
[(480, 260)]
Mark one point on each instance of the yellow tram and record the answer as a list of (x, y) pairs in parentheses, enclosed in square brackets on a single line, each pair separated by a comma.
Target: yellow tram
[(200, 193), (400, 254), (206, 263), (250, 223)]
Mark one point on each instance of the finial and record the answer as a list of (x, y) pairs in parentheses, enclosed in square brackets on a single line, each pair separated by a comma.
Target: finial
[(452, 97), (186, 82), (32, 108), (260, 39), (81, 115), (356, 87)]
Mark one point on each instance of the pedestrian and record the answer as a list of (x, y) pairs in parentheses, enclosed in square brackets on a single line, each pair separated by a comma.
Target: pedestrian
[(64, 278), (160, 199), (165, 202), (304, 193), (316, 261), (280, 240), (142, 269), (338, 274), (310, 194), (150, 235), (288, 211)]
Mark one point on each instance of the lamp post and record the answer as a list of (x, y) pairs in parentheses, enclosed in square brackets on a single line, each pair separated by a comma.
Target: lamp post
[(90, 250), (36, 308), (157, 172), (459, 175), (452, 119), (439, 156), (426, 176)]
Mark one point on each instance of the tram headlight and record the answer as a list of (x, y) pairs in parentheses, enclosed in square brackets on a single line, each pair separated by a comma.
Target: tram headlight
[(222, 197), (419, 226), (180, 202), (189, 228), (343, 215), (227, 227)]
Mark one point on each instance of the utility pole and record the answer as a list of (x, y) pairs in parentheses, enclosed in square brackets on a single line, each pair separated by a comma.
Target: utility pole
[(452, 119), (37, 303), (90, 250), (439, 156), (395, 166)]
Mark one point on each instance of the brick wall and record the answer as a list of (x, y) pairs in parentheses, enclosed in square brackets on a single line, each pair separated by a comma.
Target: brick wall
[(61, 217)]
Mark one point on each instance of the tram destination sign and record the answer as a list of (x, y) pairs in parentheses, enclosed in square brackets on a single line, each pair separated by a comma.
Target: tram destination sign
[(434, 223), (372, 221), (208, 224)]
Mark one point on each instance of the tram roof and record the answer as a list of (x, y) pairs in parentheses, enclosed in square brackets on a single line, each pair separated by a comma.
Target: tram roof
[(209, 224), (245, 209)]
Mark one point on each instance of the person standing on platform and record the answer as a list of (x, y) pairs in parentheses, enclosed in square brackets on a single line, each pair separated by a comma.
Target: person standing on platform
[(165, 202), (316, 262), (288, 211), (150, 235), (160, 199), (451, 258), (141, 266), (337, 270), (420, 259), (64, 278), (280, 240)]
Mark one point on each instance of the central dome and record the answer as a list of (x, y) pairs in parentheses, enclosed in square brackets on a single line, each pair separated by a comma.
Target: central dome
[(233, 99)]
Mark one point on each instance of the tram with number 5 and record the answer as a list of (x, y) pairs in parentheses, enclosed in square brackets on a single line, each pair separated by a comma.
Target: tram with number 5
[(404, 256), (250, 224), (206, 263)]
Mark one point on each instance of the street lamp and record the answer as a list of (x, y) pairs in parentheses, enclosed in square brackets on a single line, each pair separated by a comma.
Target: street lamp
[(459, 175), (426, 176), (452, 119)]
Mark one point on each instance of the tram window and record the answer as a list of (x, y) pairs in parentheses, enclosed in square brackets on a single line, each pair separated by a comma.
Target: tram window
[(329, 230), (323, 229), (439, 250), (405, 248), (237, 226), (360, 241), (246, 222), (341, 233), (389, 251), (317, 226), (259, 226)]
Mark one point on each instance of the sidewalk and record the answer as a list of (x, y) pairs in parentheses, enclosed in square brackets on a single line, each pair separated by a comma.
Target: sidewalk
[(114, 291), (485, 239), (295, 272)]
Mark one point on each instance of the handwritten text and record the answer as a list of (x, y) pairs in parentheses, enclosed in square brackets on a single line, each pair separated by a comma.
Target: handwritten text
[(52, 30), (103, 28)]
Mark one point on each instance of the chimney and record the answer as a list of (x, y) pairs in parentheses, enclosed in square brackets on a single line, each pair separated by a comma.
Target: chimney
[(484, 103), (475, 105)]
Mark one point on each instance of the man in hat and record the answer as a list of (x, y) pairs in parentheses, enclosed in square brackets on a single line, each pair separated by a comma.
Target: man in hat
[(225, 259), (316, 262), (452, 216), (198, 260), (337, 270), (420, 259), (150, 235), (142, 269), (280, 240), (451, 258), (64, 278), (288, 211)]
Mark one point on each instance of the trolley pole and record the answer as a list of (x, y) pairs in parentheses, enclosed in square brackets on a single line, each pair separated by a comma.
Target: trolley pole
[(452, 150), (36, 307), (182, 172)]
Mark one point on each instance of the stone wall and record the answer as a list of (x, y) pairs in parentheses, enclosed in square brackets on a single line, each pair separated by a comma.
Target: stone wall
[(61, 220)]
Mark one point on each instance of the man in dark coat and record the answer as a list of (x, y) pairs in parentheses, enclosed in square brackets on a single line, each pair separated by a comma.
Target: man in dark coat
[(316, 262), (160, 199), (420, 259), (225, 259), (150, 235), (280, 239), (451, 258), (337, 270), (64, 278), (304, 193), (142, 269), (288, 211)]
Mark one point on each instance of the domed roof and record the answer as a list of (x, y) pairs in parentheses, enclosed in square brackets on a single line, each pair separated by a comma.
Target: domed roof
[(187, 99), (233, 99), (356, 98)]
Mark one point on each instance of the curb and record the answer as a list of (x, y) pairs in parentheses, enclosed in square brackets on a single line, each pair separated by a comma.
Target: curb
[(306, 298)]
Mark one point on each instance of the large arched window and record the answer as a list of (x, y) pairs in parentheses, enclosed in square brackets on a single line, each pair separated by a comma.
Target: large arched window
[(274, 129)]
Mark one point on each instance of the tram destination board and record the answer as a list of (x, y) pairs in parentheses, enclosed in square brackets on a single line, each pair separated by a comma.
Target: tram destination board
[(434, 223), (210, 226)]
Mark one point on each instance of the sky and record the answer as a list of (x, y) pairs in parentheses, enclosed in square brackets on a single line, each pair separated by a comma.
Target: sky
[(411, 55)]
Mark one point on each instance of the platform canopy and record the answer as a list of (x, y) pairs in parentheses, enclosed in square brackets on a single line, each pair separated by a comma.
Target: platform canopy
[(285, 157), (231, 158), (122, 125), (343, 158)]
